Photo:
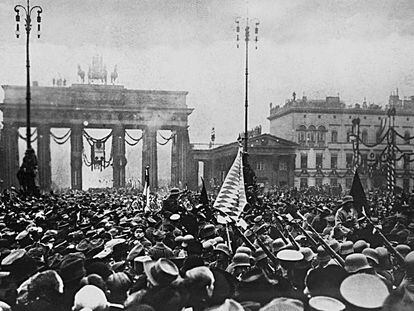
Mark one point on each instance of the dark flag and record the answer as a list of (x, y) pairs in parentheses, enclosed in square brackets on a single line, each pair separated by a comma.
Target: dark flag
[(203, 195), (204, 201), (358, 194)]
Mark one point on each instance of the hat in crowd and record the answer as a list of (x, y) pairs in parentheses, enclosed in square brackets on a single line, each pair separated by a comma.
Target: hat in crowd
[(325, 303), (161, 272), (322, 255), (244, 250), (223, 248), (208, 231), (403, 249), (360, 245), (383, 258), (371, 254), (259, 254), (356, 262), (334, 244), (346, 248), (90, 297), (174, 191), (186, 239), (347, 199), (289, 255), (278, 244), (409, 264), (175, 217), (72, 267), (241, 260), (285, 304), (364, 291)]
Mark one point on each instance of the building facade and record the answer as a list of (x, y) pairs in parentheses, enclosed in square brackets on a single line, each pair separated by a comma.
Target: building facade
[(272, 158), (325, 154)]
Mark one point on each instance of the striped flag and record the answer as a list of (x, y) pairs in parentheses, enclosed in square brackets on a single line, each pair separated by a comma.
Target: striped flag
[(231, 199), (146, 191), (383, 128)]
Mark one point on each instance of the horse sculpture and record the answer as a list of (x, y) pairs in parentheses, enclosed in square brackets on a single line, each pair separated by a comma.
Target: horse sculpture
[(96, 75), (114, 75), (81, 74)]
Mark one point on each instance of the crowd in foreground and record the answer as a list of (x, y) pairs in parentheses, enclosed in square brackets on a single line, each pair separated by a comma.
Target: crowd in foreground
[(103, 250)]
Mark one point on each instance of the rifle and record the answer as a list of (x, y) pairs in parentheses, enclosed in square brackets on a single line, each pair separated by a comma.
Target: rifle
[(305, 233), (325, 245), (388, 245), (269, 254), (290, 237), (279, 222)]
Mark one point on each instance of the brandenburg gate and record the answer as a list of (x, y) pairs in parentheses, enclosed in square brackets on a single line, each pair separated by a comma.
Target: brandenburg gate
[(97, 106)]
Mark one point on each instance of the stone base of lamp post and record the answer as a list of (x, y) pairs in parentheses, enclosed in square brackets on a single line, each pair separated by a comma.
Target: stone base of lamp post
[(27, 174)]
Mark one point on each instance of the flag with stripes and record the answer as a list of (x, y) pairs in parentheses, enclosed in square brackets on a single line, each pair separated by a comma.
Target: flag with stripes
[(146, 191), (383, 128), (231, 199)]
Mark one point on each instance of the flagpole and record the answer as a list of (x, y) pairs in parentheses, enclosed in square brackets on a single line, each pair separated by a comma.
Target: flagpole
[(246, 71)]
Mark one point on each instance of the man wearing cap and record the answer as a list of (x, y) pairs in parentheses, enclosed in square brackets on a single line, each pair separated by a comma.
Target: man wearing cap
[(346, 217), (159, 250)]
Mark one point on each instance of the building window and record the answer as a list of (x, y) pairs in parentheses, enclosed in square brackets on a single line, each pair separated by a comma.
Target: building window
[(319, 160), (318, 182), (334, 161), (334, 182), (364, 161), (365, 136), (348, 159), (406, 185), (302, 134), (303, 182), (319, 116), (334, 117), (321, 134), (304, 115), (282, 165), (406, 164), (311, 133), (407, 137), (348, 183), (260, 166), (334, 137), (303, 161)]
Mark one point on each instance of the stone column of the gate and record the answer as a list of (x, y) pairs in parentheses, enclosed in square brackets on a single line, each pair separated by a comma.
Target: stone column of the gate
[(149, 156), (43, 157), (76, 144), (9, 155), (182, 168), (174, 161), (118, 153)]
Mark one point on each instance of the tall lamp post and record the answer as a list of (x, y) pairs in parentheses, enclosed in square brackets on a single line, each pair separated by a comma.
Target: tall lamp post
[(28, 170), (246, 40)]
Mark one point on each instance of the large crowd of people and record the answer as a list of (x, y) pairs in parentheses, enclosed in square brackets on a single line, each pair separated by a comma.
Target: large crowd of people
[(297, 250)]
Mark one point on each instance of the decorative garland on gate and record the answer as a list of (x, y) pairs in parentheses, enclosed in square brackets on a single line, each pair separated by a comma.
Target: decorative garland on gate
[(166, 140), (32, 140), (135, 140), (60, 140)]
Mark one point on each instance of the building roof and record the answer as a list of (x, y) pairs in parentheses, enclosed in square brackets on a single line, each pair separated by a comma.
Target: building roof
[(263, 144)]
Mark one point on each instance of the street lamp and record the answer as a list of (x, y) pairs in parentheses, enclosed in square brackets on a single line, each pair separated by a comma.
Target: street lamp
[(246, 40), (28, 171)]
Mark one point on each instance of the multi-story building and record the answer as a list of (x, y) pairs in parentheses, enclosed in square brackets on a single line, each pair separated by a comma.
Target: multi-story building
[(322, 130)]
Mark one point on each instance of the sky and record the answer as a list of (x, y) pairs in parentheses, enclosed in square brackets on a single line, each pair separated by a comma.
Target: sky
[(357, 49)]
